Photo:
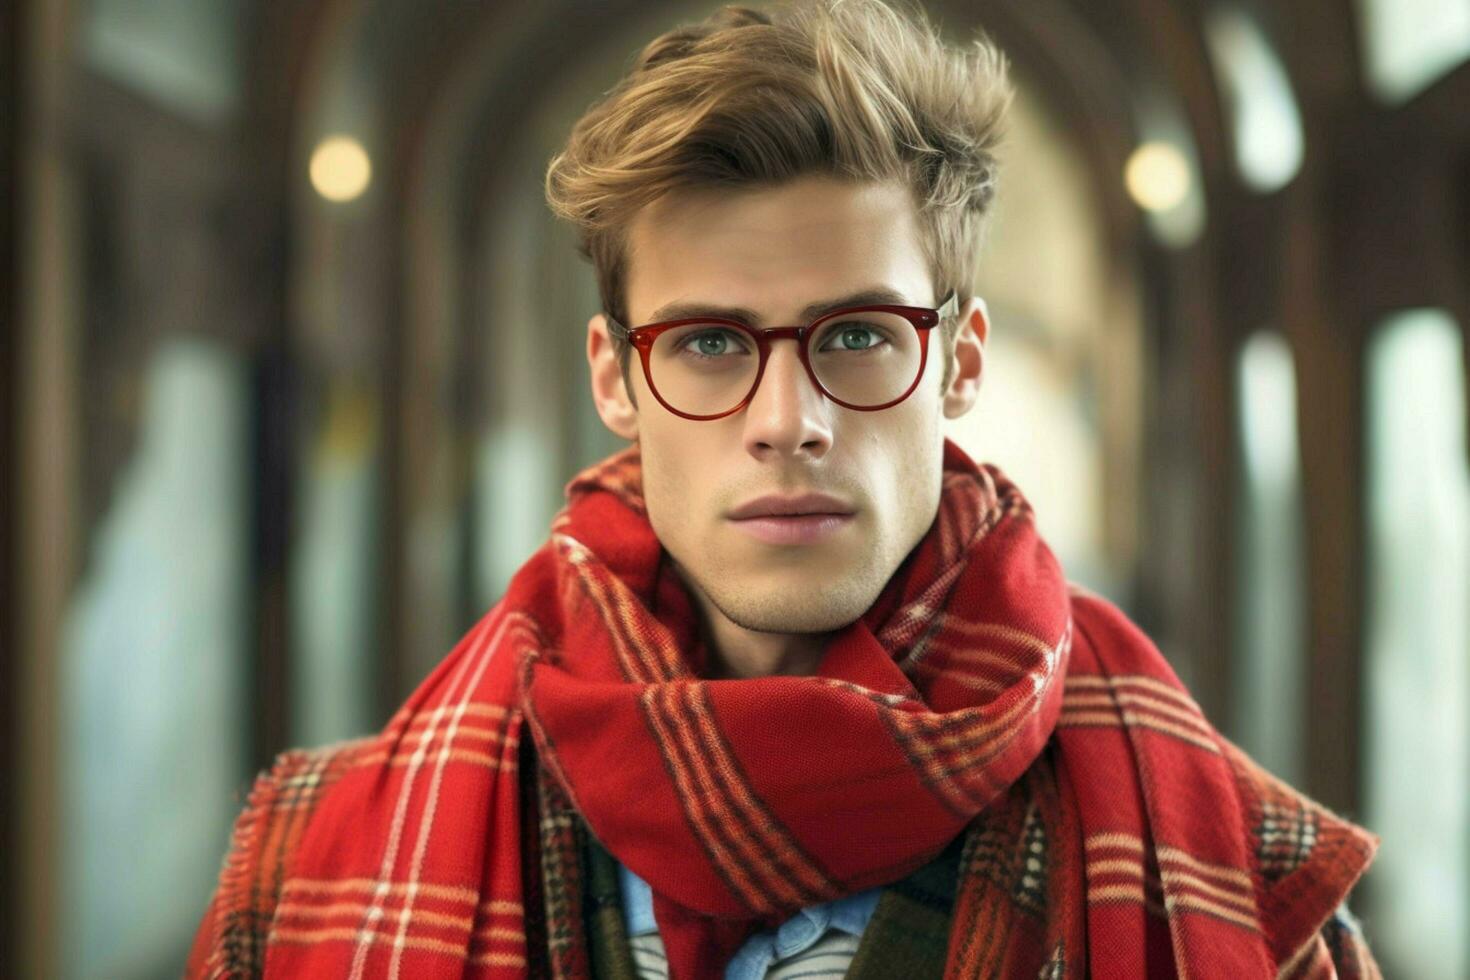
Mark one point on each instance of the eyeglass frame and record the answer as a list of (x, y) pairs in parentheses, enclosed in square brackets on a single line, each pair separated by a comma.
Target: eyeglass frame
[(923, 319)]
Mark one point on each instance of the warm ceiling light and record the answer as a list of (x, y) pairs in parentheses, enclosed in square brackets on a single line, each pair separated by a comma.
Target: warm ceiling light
[(340, 168), (1157, 176)]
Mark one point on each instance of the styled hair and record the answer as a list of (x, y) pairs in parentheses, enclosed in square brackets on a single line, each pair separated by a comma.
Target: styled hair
[(851, 89)]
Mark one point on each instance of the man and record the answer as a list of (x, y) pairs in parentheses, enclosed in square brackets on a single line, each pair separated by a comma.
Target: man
[(794, 688)]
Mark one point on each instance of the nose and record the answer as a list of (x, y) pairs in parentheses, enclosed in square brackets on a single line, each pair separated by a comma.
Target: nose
[(787, 416)]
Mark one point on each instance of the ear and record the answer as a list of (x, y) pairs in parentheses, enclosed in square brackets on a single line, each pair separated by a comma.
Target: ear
[(609, 393), (967, 357)]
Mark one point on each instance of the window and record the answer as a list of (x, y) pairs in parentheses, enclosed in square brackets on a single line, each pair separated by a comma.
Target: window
[(1418, 673), (1408, 44), (153, 676), (334, 576), (183, 53), (1268, 635), (1265, 122)]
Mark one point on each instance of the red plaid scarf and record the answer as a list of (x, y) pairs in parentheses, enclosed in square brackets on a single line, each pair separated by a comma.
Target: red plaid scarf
[(1109, 828)]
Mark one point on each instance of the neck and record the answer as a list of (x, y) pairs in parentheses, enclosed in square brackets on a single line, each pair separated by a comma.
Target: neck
[(736, 652)]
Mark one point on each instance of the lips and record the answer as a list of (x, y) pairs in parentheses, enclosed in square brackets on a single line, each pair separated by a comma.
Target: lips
[(791, 506), (802, 519)]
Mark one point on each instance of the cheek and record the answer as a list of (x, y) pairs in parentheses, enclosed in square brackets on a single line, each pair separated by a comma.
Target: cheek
[(914, 453), (672, 467), (917, 435), (658, 471)]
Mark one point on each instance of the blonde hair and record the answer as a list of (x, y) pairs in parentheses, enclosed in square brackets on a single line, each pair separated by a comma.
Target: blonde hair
[(848, 88)]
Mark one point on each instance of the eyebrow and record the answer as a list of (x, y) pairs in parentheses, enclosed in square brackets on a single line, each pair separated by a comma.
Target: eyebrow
[(877, 296)]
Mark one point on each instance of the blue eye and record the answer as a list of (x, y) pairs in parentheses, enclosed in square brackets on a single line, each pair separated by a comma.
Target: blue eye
[(711, 343), (852, 337)]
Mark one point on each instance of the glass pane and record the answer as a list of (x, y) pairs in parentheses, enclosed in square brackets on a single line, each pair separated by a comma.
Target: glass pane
[(1266, 124), (334, 576), (1407, 44), (1418, 674), (1268, 659), (154, 679), (184, 53), (517, 492)]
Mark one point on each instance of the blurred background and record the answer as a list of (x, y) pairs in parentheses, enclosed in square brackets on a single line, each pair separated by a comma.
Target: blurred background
[(292, 376)]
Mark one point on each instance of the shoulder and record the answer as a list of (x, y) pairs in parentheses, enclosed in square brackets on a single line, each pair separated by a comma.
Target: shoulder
[(1100, 623), (282, 800), (1305, 859)]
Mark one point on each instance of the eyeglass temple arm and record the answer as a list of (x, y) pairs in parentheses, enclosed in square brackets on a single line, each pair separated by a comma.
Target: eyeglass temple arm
[(950, 307), (618, 331)]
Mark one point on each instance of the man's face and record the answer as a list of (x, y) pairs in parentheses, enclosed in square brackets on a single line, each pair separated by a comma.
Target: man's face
[(775, 252)]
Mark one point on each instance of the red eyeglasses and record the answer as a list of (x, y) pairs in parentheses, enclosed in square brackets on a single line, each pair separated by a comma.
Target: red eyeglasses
[(866, 358)]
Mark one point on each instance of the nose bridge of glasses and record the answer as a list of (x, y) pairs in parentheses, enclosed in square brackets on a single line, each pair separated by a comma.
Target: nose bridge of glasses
[(798, 368), (783, 333)]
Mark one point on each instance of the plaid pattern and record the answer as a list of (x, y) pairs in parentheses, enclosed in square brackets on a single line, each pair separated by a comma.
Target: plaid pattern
[(1108, 829), (1029, 888), (561, 879), (1135, 702), (232, 938), (757, 858), (1287, 835)]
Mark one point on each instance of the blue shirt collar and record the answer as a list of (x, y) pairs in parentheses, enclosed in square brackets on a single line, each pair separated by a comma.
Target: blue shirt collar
[(849, 914)]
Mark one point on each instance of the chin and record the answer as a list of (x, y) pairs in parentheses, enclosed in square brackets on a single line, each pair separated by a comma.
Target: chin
[(815, 608)]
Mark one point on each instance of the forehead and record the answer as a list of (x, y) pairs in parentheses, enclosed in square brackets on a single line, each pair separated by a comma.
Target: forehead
[(775, 249)]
